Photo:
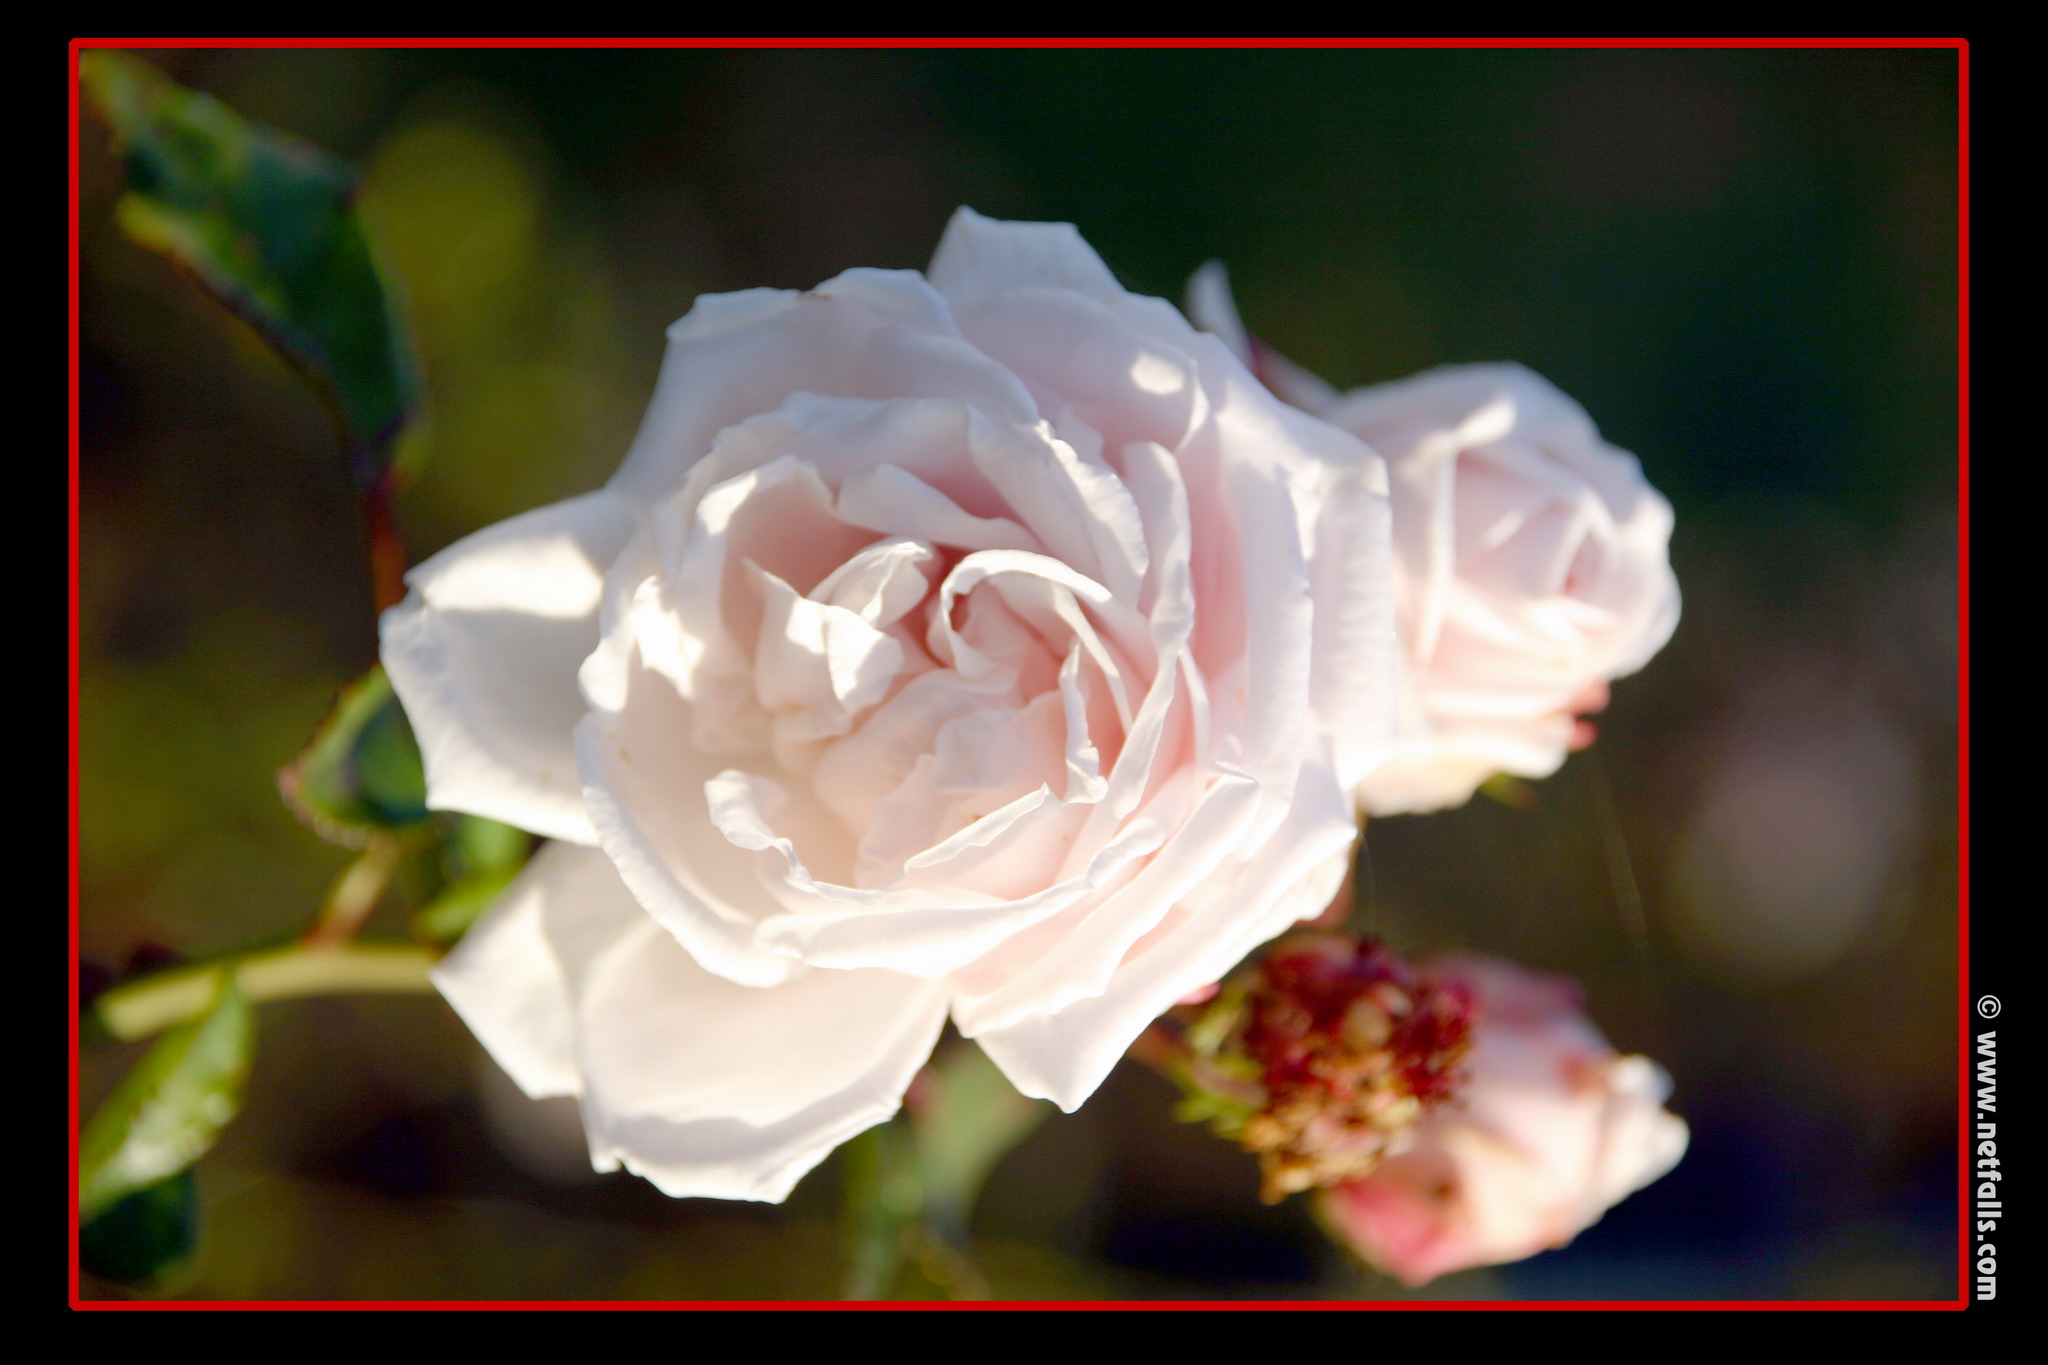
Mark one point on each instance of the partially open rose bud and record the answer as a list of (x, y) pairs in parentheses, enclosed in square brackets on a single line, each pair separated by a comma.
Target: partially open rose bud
[(1324, 1056), (1550, 1129), (1531, 561)]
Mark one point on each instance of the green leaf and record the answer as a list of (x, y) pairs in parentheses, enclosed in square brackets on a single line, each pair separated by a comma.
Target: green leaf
[(362, 772), (882, 1199), (169, 1110), (911, 1183), (480, 861), (448, 916), (145, 1237), (489, 846), (1511, 792), (1213, 1027), (967, 1117), (269, 227)]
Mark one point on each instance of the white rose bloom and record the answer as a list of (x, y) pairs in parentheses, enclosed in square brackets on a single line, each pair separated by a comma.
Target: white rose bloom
[(985, 643), (1531, 561)]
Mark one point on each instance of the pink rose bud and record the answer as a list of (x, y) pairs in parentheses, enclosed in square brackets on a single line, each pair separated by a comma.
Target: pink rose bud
[(1551, 1129), (1531, 561)]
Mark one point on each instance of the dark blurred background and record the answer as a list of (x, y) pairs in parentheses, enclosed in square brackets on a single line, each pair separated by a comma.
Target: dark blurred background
[(1742, 263)]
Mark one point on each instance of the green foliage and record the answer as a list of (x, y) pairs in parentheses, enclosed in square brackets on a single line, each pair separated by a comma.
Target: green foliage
[(1226, 1115), (269, 227), (1219, 1085), (448, 916), (967, 1117), (883, 1198), (480, 860), (534, 375), (146, 1237), (1213, 1027), (911, 1183), (1512, 792), (183, 840), (169, 1110), (490, 846), (362, 772)]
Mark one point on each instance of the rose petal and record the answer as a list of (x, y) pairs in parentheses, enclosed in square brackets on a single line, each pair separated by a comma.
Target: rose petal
[(1075, 956), (1279, 630), (1643, 1142), (505, 981), (1124, 383), (1356, 650), (708, 1088), (644, 786), (1064, 1056), (483, 654), (887, 498), (735, 356), (1212, 308), (980, 256)]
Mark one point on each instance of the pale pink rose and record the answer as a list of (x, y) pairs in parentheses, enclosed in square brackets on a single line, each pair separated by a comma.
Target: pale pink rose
[(984, 644), (1551, 1129), (1531, 562)]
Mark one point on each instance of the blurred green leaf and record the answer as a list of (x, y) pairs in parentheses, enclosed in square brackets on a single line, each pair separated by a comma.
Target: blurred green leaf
[(882, 1199), (1512, 792), (362, 772), (146, 1236), (489, 846), (911, 1183), (533, 372), (1213, 1027), (450, 914), (479, 862), (269, 227), (967, 1116), (169, 1110)]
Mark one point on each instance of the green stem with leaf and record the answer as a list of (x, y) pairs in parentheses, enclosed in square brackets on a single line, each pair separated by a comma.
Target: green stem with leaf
[(911, 1183), (153, 1003)]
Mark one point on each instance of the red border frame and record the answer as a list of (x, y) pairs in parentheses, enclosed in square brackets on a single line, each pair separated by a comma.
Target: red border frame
[(1960, 46)]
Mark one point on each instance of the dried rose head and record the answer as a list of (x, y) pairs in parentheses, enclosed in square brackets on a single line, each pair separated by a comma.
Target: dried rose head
[(1329, 1051)]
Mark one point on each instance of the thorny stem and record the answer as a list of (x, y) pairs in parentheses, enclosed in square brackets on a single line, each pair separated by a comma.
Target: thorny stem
[(154, 1003)]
